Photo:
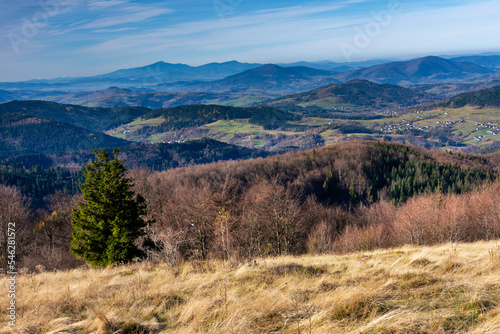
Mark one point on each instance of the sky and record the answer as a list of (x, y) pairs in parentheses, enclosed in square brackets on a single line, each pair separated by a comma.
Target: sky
[(43, 39)]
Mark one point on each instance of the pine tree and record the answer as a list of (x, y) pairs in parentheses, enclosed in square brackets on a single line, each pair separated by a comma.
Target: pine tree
[(111, 218)]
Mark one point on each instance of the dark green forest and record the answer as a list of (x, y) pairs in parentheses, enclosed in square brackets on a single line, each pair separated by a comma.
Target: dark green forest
[(197, 115), (22, 134), (489, 97), (95, 119)]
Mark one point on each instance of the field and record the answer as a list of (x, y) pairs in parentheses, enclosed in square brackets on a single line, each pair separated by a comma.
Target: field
[(452, 288), (475, 126), (129, 131), (469, 127)]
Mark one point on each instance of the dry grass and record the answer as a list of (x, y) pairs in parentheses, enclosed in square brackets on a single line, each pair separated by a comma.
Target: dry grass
[(441, 289)]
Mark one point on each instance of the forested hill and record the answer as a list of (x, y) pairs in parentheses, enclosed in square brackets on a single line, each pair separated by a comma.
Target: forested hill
[(23, 134), (41, 174), (489, 97), (197, 115), (359, 94), (194, 152), (95, 119), (353, 173)]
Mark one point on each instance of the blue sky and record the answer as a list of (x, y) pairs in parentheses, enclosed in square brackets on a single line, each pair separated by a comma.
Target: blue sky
[(59, 38)]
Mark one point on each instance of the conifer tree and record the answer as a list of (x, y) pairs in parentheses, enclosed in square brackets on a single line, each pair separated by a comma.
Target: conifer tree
[(111, 218)]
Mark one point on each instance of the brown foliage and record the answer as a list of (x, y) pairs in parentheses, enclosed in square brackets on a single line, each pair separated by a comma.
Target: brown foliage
[(293, 203), (427, 220), (51, 236), (14, 214)]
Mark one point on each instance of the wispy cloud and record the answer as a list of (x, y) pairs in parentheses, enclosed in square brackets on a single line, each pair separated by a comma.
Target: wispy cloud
[(130, 14), (118, 33), (279, 25), (99, 31), (99, 4)]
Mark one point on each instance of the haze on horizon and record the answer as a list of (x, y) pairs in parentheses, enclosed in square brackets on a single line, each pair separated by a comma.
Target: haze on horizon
[(60, 38)]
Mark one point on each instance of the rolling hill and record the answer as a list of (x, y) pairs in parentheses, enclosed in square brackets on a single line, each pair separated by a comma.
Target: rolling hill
[(7, 96), (157, 156), (197, 115), (23, 134), (353, 95), (233, 125), (269, 78), (95, 119), (161, 156), (482, 98), (446, 91), (161, 72), (423, 70), (115, 96), (145, 76), (491, 62)]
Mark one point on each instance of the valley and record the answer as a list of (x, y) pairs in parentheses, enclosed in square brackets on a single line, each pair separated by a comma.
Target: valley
[(307, 106), (229, 166)]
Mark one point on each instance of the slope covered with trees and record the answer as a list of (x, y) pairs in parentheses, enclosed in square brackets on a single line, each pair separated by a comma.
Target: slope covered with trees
[(424, 70), (270, 78), (23, 134), (197, 115), (272, 206), (95, 119), (346, 197), (489, 97), (355, 94), (163, 156), (40, 175)]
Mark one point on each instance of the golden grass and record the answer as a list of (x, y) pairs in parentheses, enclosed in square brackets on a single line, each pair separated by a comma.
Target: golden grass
[(440, 289)]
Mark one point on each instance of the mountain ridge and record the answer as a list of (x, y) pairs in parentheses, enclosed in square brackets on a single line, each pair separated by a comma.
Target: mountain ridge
[(428, 69)]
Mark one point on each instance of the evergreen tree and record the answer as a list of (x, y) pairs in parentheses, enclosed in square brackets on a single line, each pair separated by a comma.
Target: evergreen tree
[(111, 218)]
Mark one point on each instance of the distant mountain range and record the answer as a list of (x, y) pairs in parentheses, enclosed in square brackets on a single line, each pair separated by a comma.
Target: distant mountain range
[(269, 78), (161, 73), (215, 77), (423, 70), (448, 90), (491, 62), (115, 96), (241, 84), (327, 65), (139, 77)]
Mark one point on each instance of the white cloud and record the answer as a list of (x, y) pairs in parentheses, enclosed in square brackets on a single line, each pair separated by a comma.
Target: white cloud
[(113, 30), (131, 14), (284, 25), (311, 31), (99, 4)]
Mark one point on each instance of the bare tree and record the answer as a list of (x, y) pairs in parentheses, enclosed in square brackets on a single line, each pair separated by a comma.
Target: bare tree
[(274, 220), (14, 213)]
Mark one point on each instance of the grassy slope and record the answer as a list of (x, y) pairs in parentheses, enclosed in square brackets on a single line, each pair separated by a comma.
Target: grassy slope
[(441, 289), (467, 130), (224, 129)]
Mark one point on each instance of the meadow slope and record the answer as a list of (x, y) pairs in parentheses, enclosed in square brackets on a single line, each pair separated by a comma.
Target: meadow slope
[(451, 288)]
